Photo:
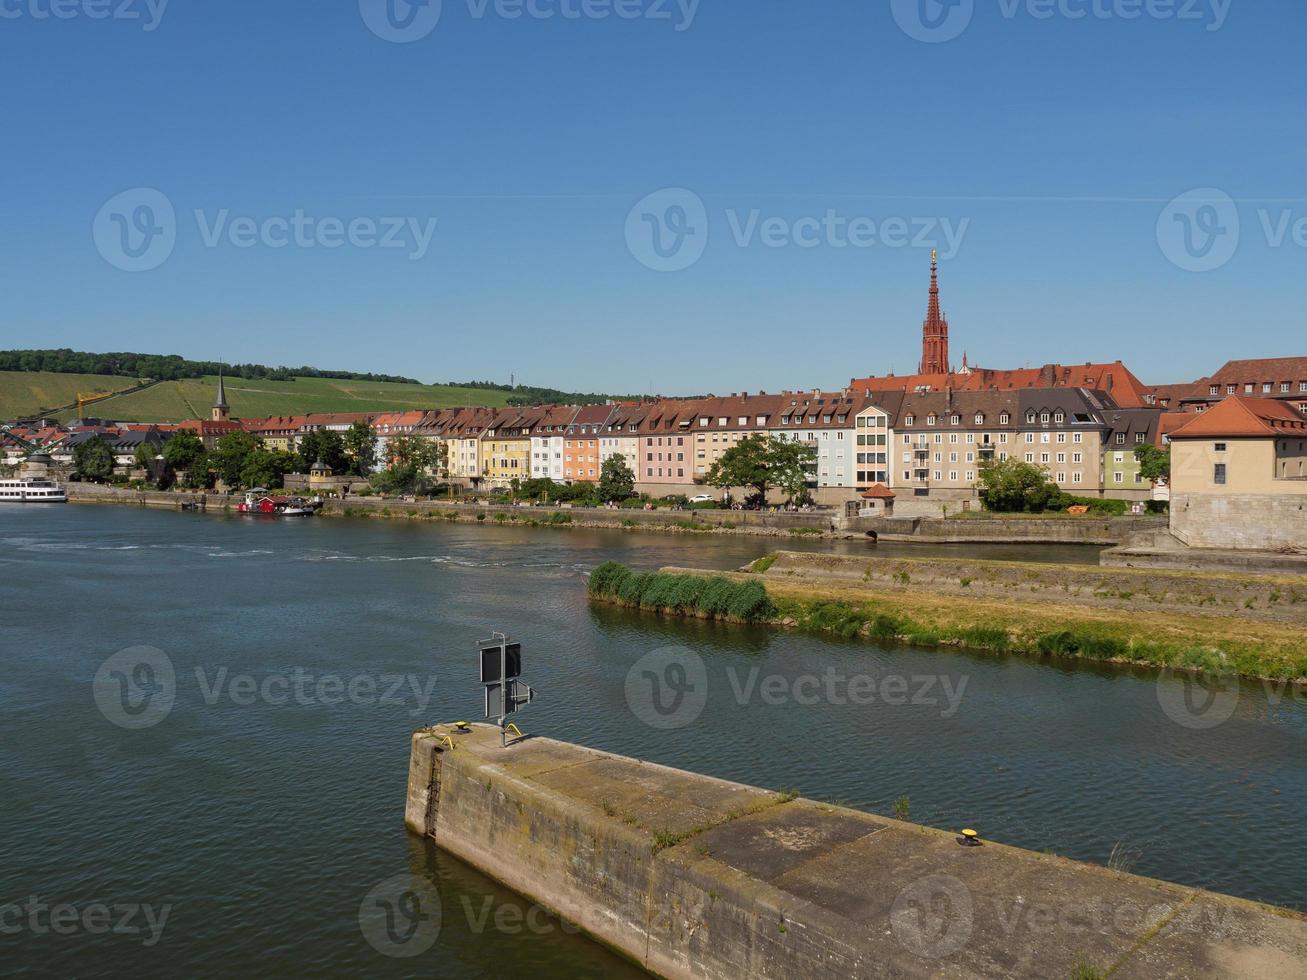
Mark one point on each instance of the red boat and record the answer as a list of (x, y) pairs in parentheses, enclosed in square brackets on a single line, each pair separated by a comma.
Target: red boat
[(259, 501)]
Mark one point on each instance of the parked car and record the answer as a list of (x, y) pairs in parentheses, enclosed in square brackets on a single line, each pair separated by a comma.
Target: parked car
[(703, 498)]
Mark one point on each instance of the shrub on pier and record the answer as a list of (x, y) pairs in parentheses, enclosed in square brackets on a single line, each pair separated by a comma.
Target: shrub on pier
[(711, 596)]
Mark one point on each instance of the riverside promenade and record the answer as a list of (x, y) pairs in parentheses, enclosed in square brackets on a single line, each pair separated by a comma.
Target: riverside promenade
[(693, 876)]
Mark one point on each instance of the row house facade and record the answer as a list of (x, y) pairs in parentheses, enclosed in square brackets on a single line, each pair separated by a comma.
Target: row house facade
[(620, 435), (506, 446), (581, 459), (548, 442), (718, 424)]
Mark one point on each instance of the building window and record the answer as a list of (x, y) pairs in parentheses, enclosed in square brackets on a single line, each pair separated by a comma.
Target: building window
[(1218, 474), (1214, 390), (1231, 389), (1284, 386), (1004, 419), (1220, 447)]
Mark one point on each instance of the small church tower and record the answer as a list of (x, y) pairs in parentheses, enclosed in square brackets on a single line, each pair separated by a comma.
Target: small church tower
[(221, 413), (934, 331)]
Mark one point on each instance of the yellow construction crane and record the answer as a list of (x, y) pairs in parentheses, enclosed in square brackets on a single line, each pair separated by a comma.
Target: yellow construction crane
[(83, 400)]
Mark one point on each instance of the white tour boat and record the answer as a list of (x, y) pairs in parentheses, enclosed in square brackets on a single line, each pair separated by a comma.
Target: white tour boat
[(31, 492)]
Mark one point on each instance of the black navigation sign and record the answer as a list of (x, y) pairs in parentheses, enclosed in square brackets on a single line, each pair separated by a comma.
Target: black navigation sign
[(498, 657), (499, 660)]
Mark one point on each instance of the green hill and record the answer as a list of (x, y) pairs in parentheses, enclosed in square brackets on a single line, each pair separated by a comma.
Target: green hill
[(25, 393)]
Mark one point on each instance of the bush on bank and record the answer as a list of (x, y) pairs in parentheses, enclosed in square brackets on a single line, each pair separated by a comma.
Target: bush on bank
[(714, 597)]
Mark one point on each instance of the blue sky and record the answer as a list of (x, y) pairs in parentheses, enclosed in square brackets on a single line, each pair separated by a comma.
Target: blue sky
[(1037, 149)]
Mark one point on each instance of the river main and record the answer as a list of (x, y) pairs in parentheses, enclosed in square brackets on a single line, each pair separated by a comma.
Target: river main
[(258, 800)]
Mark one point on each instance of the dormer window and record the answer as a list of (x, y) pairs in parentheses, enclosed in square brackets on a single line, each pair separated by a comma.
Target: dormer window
[(956, 420), (908, 420), (980, 419), (1004, 419), (930, 419), (1030, 418), (785, 420), (1059, 418), (1043, 418)]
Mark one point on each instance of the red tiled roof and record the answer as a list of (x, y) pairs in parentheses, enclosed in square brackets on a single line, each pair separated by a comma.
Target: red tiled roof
[(1113, 377), (879, 492), (1258, 370), (1239, 417)]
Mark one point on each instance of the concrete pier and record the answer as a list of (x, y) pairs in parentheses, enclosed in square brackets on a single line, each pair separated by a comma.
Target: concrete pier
[(693, 876)]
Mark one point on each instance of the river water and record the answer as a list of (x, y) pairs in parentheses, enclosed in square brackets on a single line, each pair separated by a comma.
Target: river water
[(258, 799)]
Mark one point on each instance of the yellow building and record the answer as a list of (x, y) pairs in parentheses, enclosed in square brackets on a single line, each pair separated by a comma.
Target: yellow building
[(1239, 476), (506, 447)]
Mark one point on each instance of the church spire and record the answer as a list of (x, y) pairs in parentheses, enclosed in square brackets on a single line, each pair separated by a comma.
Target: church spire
[(220, 410), (934, 330)]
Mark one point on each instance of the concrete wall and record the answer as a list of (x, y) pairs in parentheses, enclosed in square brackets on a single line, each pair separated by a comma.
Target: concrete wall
[(696, 877), (1067, 530), (1243, 520)]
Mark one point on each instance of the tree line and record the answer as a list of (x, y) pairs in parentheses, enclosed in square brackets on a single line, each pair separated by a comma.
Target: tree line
[(167, 367)]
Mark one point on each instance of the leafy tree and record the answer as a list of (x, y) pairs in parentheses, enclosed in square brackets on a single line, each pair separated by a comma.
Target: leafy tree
[(197, 473), (760, 463), (268, 467), (616, 481), (230, 453), (183, 449), (361, 448), (786, 462), (145, 455), (1015, 486), (93, 459), (326, 446), (410, 461), (1154, 463)]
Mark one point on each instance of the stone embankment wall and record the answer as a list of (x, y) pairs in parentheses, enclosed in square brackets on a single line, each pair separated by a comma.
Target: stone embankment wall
[(1264, 521), (1087, 530), (692, 876), (94, 493)]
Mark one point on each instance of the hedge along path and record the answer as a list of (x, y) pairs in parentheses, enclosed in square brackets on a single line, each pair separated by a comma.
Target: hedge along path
[(1217, 644)]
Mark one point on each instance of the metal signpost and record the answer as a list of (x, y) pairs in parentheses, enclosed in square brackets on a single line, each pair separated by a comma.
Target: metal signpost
[(500, 661)]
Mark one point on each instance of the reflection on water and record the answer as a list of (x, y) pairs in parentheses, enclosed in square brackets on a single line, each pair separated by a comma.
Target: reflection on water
[(265, 821)]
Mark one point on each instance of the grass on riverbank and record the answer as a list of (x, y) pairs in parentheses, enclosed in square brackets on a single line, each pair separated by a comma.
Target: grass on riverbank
[(1203, 643)]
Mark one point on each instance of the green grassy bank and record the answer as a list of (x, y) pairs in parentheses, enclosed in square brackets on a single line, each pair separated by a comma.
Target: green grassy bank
[(1217, 645)]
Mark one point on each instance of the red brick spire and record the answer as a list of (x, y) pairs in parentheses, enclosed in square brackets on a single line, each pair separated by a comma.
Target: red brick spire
[(934, 331)]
